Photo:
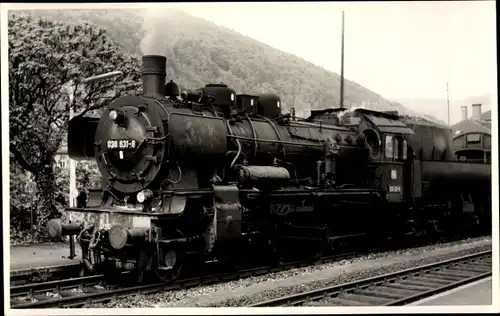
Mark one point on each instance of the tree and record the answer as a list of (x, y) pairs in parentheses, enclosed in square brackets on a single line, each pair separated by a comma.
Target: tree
[(43, 56)]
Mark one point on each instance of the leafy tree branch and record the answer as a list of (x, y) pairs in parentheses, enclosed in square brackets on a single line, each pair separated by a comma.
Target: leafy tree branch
[(44, 56)]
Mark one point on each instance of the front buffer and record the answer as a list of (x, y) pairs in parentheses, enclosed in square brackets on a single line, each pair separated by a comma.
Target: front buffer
[(113, 240)]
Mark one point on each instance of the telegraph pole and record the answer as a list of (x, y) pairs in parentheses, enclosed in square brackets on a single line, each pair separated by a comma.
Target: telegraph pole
[(448, 103), (342, 65)]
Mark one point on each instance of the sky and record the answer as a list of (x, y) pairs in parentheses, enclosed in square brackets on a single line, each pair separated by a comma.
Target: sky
[(400, 50), (397, 49)]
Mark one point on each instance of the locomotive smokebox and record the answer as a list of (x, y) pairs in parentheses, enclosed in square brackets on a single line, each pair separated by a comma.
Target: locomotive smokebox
[(153, 75)]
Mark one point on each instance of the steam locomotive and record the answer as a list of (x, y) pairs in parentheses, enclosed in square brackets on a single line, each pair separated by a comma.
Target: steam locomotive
[(205, 173)]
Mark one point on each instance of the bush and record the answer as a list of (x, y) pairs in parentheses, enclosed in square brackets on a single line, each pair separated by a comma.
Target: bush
[(25, 205)]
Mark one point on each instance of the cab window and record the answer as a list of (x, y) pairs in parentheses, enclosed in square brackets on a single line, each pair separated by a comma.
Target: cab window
[(389, 146), (405, 149), (396, 147)]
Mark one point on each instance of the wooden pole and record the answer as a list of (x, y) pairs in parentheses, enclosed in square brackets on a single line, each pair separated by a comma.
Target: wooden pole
[(448, 103), (342, 65)]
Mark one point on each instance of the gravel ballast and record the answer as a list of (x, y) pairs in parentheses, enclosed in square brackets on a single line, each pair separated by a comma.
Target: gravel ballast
[(255, 289)]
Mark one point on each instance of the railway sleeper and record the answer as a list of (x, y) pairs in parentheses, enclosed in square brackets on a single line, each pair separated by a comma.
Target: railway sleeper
[(403, 285), (444, 276), (470, 269), (423, 283), (480, 262), (69, 294), (17, 301), (375, 291), (89, 290), (361, 297), (462, 274), (482, 266), (341, 301), (42, 297), (429, 279), (387, 288), (313, 304)]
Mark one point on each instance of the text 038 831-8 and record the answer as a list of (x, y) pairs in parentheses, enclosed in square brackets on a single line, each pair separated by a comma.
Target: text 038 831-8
[(121, 144)]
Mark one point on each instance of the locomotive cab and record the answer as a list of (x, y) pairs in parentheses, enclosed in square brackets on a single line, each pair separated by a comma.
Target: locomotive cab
[(385, 135), (395, 156)]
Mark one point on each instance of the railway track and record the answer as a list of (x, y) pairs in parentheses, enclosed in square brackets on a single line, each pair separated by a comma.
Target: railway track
[(33, 289), (72, 270), (77, 291), (395, 289), (48, 273)]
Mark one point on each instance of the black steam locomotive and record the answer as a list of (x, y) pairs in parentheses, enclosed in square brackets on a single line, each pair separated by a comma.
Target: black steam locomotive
[(203, 174)]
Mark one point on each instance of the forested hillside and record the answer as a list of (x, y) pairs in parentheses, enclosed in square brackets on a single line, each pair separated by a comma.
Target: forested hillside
[(201, 52)]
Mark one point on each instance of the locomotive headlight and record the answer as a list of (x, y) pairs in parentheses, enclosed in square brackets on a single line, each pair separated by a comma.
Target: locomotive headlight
[(113, 115), (144, 196), (117, 116)]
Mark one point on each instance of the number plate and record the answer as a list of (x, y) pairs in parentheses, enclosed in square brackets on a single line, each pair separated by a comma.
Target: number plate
[(394, 189), (121, 144)]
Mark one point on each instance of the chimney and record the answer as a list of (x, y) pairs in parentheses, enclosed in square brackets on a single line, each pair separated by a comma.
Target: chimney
[(476, 111), (464, 112), (153, 75)]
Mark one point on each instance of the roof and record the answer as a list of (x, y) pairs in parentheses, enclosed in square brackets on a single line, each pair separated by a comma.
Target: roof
[(389, 124), (422, 121), (486, 116), (63, 150), (471, 126)]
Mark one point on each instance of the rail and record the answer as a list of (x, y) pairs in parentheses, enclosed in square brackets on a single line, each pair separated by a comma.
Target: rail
[(395, 289)]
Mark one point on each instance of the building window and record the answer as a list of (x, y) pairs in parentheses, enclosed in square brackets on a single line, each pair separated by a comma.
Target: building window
[(487, 141), (62, 163), (389, 146), (459, 142), (473, 138)]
